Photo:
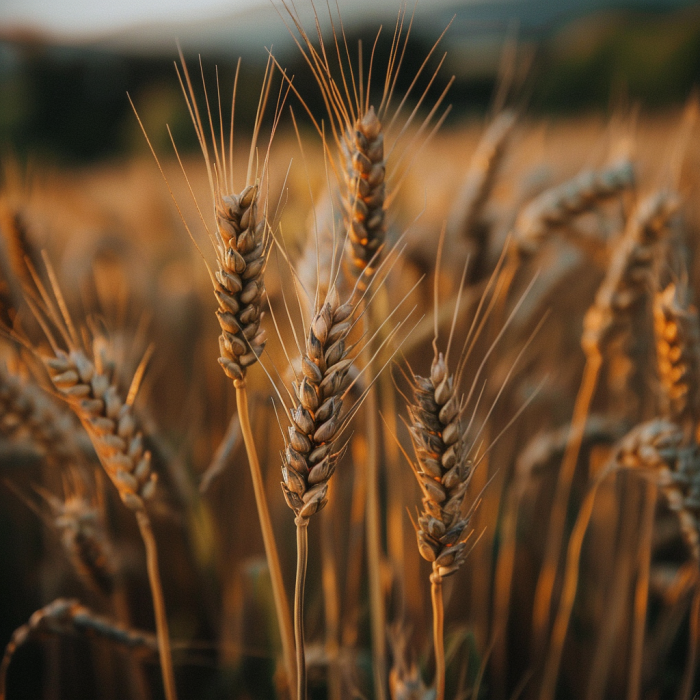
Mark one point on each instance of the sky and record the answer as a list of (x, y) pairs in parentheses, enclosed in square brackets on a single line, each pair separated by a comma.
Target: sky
[(80, 17)]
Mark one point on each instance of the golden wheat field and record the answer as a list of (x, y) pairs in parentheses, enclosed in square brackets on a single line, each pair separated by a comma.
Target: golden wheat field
[(449, 449)]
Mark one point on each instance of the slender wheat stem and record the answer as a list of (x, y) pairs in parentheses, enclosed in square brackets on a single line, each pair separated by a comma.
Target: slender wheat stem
[(394, 470), (331, 602), (438, 632), (610, 316), (641, 594), (302, 559), (353, 576), (284, 618), (373, 528), (166, 661), (545, 584), (686, 691), (569, 588)]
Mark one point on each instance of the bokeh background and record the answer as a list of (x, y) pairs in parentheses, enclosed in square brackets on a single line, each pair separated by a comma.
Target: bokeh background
[(65, 66)]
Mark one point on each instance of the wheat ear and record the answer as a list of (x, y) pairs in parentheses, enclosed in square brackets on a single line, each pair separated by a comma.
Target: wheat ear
[(241, 240), (86, 380), (621, 291), (443, 470), (659, 448), (26, 409), (79, 522), (312, 452), (468, 208), (241, 254), (557, 207), (365, 194), (677, 336), (68, 617), (555, 210)]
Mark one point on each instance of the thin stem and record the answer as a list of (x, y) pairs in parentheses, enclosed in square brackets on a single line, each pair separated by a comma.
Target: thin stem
[(302, 558), (284, 617), (373, 529), (331, 600), (505, 566), (569, 588), (438, 633), (548, 573), (686, 691), (353, 576), (120, 608), (166, 661), (617, 597), (641, 594), (395, 496)]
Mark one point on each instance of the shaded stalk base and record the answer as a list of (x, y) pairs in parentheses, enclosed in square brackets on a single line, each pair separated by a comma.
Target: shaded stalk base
[(166, 661)]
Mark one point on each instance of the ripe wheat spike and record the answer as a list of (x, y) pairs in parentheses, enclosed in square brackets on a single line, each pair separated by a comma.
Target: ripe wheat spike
[(629, 273), (80, 524), (661, 448), (26, 410), (312, 453), (678, 353), (557, 207)]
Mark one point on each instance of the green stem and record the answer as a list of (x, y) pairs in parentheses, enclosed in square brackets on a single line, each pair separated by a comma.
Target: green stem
[(284, 618), (166, 661)]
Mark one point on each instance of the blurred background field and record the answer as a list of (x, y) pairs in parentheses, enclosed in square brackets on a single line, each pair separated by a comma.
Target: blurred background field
[(63, 84)]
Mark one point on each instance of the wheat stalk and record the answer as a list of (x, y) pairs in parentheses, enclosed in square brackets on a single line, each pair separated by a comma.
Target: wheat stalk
[(311, 453), (241, 241), (86, 379), (657, 447), (443, 470), (359, 166), (621, 291)]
